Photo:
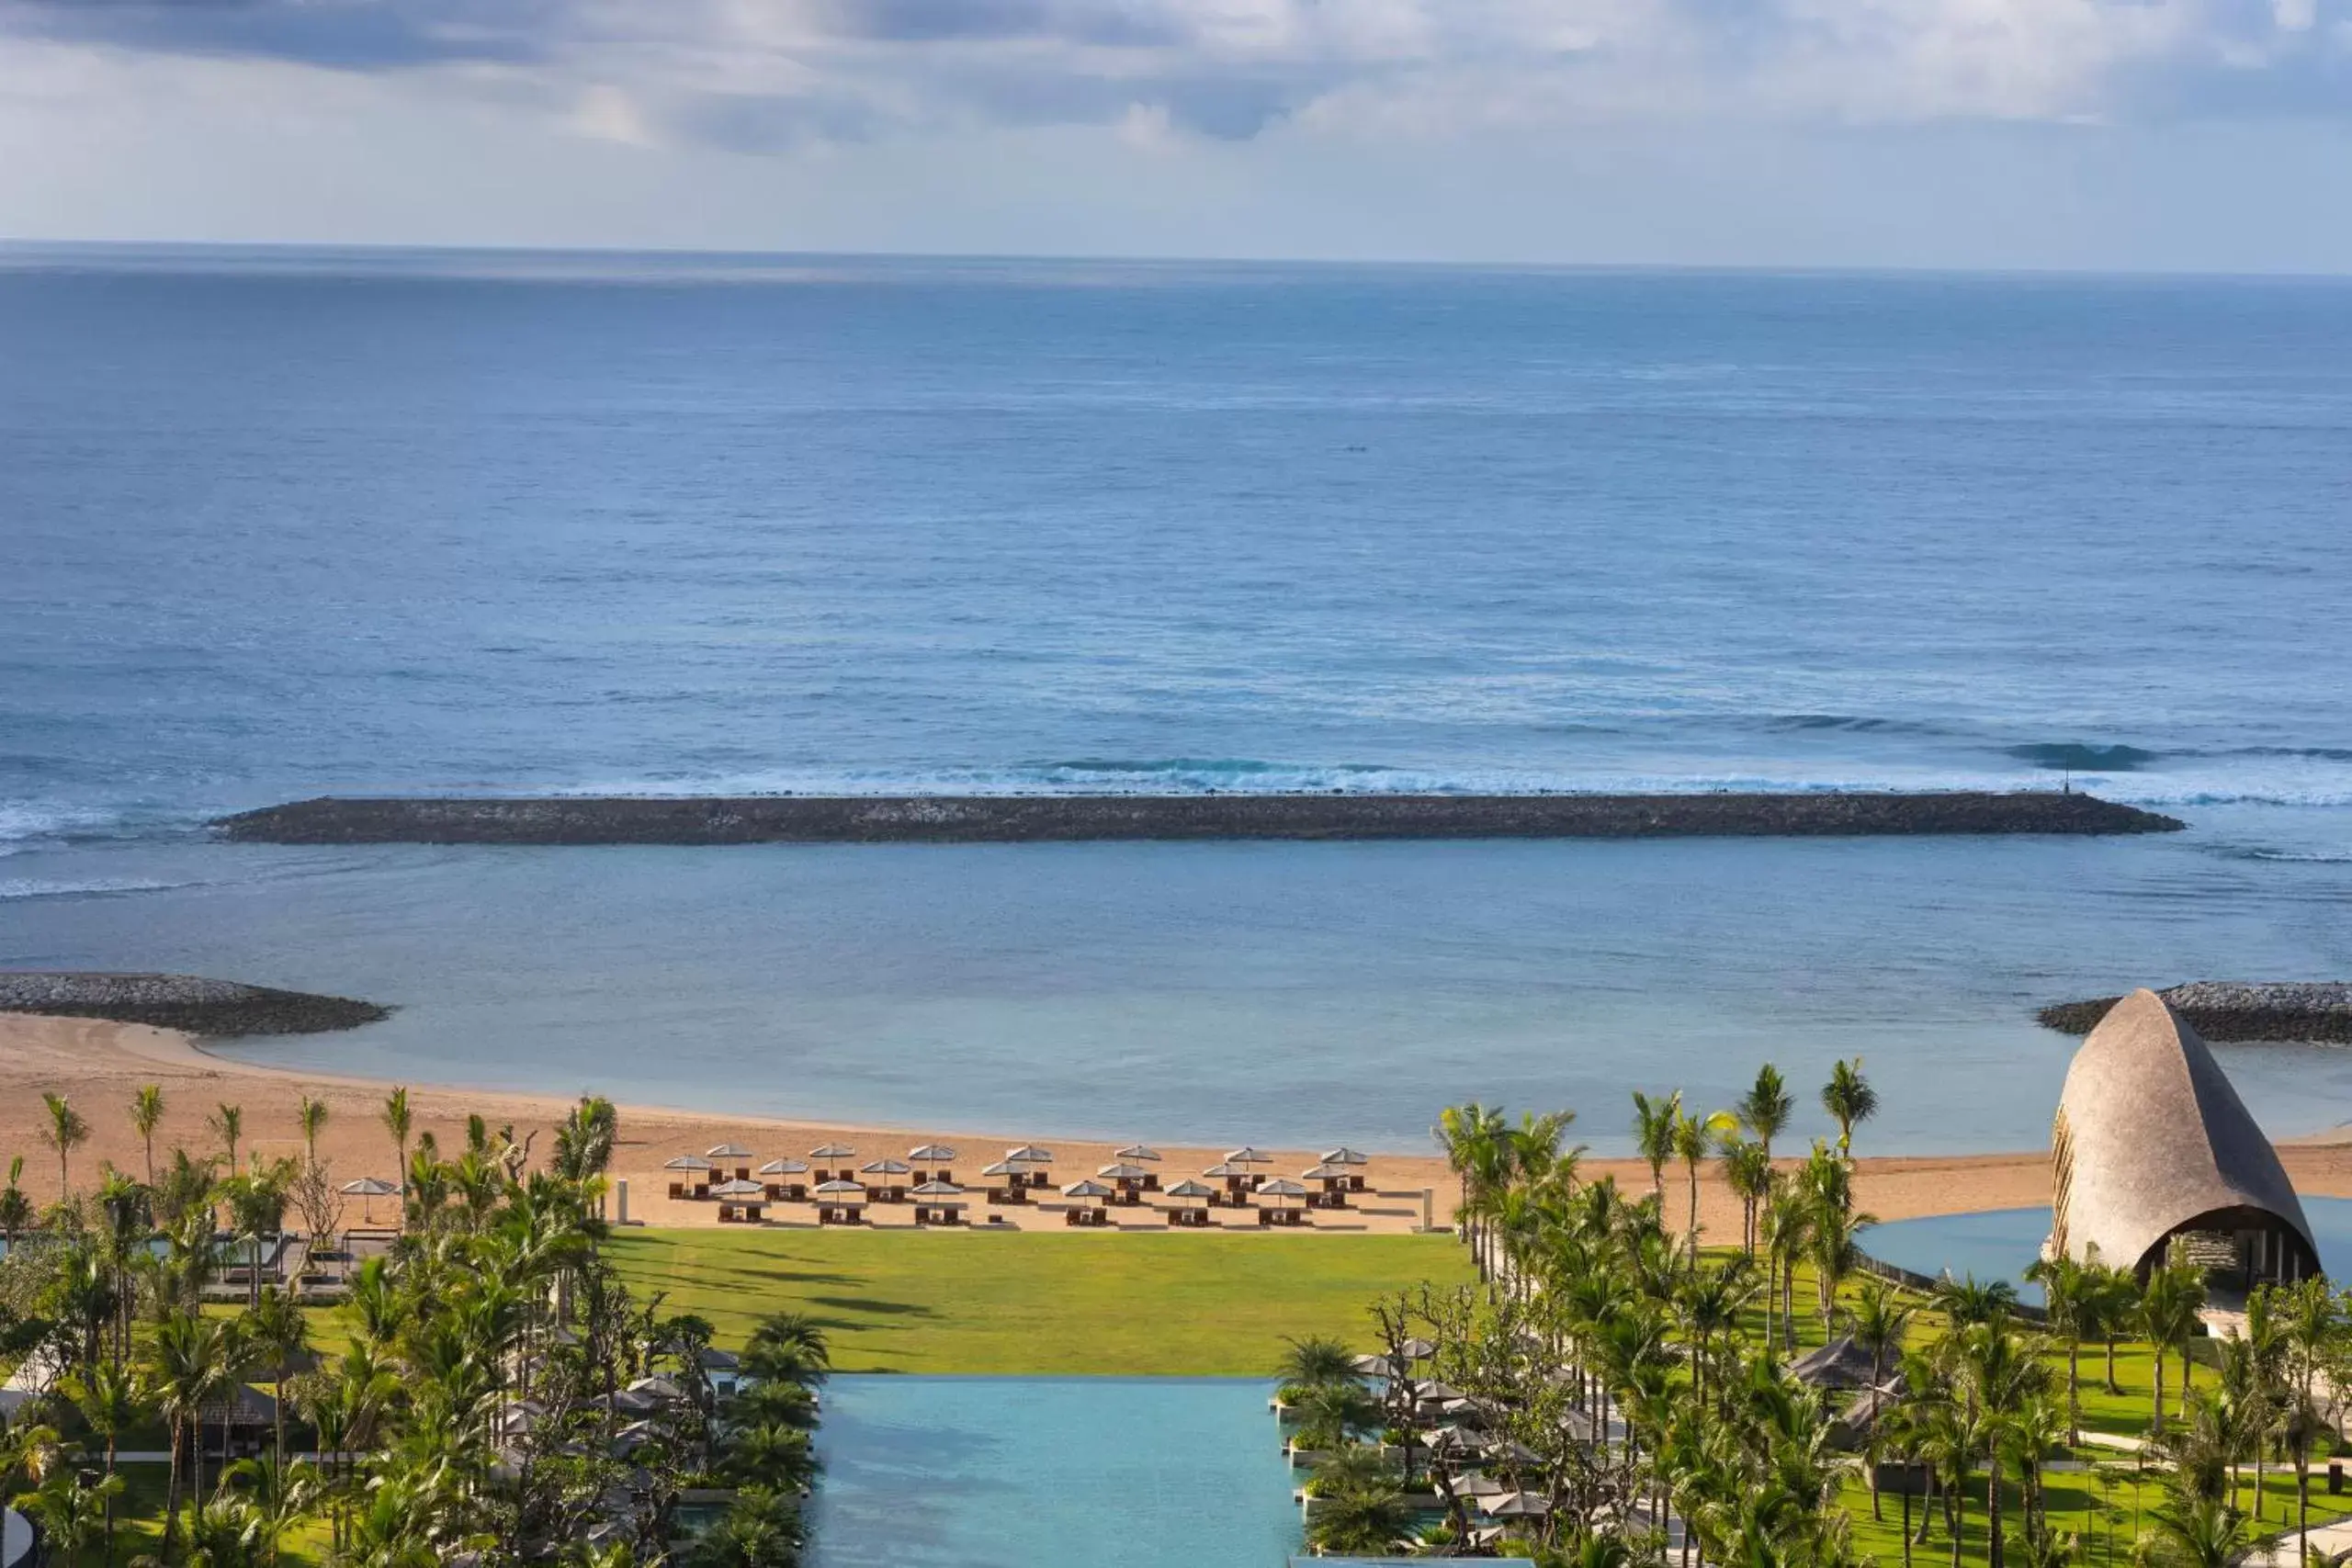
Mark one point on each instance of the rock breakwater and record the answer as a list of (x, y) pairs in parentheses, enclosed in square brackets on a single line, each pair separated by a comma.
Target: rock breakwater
[(635, 820), (189, 1002), (2236, 1009)]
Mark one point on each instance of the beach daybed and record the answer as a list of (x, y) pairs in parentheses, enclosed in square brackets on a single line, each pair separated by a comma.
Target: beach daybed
[(1238, 1182), (1344, 1155), (741, 1202), (1188, 1191), (1098, 1216), (934, 1162), (1282, 1188), (1008, 1183), (831, 1162), (887, 1191), (839, 1202), (1031, 1160), (731, 1156), (1334, 1181), (939, 1203), (1138, 1155)]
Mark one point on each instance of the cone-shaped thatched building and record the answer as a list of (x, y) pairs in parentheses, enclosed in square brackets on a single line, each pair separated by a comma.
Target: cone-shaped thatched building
[(2153, 1150)]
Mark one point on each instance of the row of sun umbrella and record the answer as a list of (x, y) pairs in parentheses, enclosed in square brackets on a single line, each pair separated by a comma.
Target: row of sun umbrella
[(1019, 1161)]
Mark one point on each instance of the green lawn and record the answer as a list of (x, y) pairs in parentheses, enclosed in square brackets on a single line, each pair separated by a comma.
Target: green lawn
[(1009, 1303)]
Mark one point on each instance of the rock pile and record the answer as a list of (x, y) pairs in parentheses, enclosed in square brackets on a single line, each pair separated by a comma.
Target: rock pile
[(2236, 1009), (181, 1001)]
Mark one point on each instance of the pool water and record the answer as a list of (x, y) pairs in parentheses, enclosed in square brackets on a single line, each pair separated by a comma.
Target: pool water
[(1051, 1472), (2002, 1244)]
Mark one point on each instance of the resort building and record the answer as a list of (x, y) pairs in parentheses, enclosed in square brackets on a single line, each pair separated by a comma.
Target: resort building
[(2155, 1156)]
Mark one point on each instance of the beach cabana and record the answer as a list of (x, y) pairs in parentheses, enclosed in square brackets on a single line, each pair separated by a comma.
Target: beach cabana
[(1515, 1505), (1344, 1155), (939, 1203), (2153, 1156), (693, 1176), (1282, 1189), (1245, 1155), (368, 1188), (1141, 1153), (892, 1189), (785, 1179), (934, 1161), (839, 1202), (1008, 1182), (1189, 1191), (740, 1201), (1080, 1215), (832, 1162), (732, 1156), (1031, 1160)]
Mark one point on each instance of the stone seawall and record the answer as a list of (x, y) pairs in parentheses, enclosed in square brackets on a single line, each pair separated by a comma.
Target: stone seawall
[(181, 1001), (877, 820), (2236, 1010)]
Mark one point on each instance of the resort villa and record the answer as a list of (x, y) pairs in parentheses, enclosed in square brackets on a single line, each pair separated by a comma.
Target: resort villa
[(2155, 1158)]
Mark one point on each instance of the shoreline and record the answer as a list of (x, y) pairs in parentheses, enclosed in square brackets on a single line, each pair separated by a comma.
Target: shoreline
[(1065, 819), (99, 1065)]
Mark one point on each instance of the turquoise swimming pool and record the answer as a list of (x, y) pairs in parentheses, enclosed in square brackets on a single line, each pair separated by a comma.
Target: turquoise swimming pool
[(2002, 1244), (1051, 1472)]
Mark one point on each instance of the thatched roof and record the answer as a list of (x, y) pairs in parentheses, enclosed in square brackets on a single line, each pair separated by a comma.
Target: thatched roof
[(1841, 1363), (2150, 1136)]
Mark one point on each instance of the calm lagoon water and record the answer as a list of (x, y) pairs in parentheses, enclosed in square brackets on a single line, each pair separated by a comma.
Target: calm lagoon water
[(279, 523), (2002, 1244), (1051, 1472)]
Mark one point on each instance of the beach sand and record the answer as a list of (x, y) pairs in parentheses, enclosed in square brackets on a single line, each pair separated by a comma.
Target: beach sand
[(98, 1066)]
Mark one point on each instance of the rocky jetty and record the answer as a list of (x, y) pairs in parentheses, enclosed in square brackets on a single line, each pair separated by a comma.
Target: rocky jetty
[(181, 1001), (884, 819), (2236, 1009)]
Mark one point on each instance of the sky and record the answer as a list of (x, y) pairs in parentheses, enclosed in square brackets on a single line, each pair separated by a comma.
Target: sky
[(2172, 135)]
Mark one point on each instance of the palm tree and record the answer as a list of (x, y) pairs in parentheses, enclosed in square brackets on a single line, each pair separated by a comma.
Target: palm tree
[(1695, 1138), (1849, 1100), (313, 1118), (2200, 1533), (1747, 1171), (1765, 1108), (147, 1114), (280, 1495), (191, 1365), (106, 1395), (64, 1131), (16, 1209), (787, 1347), (280, 1334), (2169, 1301), (228, 1124), (1964, 1302), (2072, 1297), (396, 1122), (68, 1509), (1314, 1361), (1879, 1322), (1654, 1124), (1364, 1521)]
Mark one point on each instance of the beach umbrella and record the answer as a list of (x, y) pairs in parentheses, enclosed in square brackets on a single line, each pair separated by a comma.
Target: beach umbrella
[(1001, 1168), (885, 1167), (840, 1188), (938, 1189), (1344, 1155), (1088, 1190), (1323, 1173), (1282, 1187), (1418, 1350), (1030, 1154), (368, 1188), (785, 1168), (1245, 1155), (1479, 1484), (1188, 1187), (737, 1189), (1226, 1169), (1136, 1152), (1515, 1505), (832, 1151), (687, 1162), (1123, 1173), (1374, 1366), (930, 1154), (729, 1151)]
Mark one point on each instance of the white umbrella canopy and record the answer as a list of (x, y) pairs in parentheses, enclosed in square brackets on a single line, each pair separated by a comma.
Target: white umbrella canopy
[(1344, 1155), (729, 1151), (885, 1167), (1088, 1189), (737, 1189), (832, 1151), (1325, 1172), (1515, 1505), (687, 1162), (840, 1188), (1136, 1152), (1282, 1187), (1419, 1350), (1226, 1168), (1002, 1167), (1188, 1187), (938, 1189), (785, 1168), (1123, 1173), (368, 1187), (1245, 1155), (1030, 1154), (926, 1154)]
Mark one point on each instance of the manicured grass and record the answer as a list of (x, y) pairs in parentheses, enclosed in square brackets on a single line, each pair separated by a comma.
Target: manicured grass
[(967, 1302)]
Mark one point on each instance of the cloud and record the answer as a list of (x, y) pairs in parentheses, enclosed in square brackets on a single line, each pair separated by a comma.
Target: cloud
[(757, 75)]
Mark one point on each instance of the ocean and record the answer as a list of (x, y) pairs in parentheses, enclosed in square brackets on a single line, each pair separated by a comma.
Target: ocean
[(277, 524)]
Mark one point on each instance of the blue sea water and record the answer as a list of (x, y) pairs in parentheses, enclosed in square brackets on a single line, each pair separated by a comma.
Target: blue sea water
[(2001, 1243), (1051, 1472), (275, 524)]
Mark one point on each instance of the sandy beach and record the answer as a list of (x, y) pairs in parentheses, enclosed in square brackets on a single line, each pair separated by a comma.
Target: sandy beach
[(99, 1066)]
